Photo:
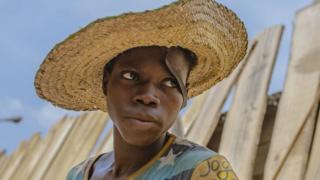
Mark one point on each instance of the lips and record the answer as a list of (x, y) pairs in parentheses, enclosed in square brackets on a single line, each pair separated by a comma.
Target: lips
[(143, 118), (139, 124)]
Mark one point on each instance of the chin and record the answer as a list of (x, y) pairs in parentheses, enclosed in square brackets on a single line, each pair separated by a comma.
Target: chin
[(141, 139)]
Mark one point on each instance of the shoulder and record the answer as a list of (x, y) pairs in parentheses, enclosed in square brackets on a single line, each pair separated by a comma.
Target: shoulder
[(190, 153), (181, 159), (198, 162), (80, 171), (77, 172), (215, 167)]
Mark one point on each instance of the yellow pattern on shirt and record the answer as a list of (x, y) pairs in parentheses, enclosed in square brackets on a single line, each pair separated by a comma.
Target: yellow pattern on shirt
[(214, 168)]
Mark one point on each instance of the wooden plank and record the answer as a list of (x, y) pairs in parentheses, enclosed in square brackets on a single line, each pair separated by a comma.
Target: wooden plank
[(28, 165), (209, 115), (34, 142), (2, 160), (2, 154), (9, 159), (177, 128), (313, 170), (192, 112), (295, 165), (20, 163), (300, 91), (70, 144), (4, 166), (4, 163), (265, 137), (2, 157), (90, 140), (20, 157), (215, 139), (64, 129), (243, 125), (74, 148), (97, 147), (107, 144), (201, 103)]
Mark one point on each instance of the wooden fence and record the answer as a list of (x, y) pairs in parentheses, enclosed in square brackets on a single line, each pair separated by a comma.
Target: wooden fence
[(275, 137)]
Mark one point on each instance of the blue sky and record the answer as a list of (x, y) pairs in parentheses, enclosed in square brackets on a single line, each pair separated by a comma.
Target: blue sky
[(29, 29)]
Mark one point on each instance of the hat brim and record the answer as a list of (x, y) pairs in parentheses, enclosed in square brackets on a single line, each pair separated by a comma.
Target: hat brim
[(71, 75)]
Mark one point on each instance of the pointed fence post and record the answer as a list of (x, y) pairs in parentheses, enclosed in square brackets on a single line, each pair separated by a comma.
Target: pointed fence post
[(241, 131), (299, 98)]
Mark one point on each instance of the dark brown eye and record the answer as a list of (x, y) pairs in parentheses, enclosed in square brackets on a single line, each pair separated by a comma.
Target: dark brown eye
[(130, 75), (172, 83)]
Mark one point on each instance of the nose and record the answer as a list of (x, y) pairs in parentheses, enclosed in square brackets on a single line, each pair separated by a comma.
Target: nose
[(147, 95)]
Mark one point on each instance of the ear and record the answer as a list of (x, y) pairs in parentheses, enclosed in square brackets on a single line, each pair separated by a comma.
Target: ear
[(105, 81)]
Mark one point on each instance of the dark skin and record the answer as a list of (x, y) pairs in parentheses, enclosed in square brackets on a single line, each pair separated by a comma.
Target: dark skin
[(143, 103)]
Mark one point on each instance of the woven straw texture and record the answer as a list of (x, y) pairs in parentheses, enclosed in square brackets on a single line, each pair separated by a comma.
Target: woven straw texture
[(71, 75)]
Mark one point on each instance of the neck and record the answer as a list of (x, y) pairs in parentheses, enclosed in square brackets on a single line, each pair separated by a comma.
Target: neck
[(129, 158)]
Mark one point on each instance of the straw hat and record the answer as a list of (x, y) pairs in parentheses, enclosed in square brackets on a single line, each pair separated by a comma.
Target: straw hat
[(71, 75)]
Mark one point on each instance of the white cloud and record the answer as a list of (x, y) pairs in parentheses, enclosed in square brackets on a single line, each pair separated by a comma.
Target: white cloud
[(10, 107), (48, 115), (45, 115), (15, 104)]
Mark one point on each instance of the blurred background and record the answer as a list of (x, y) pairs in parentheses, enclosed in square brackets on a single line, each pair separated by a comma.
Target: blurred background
[(29, 29)]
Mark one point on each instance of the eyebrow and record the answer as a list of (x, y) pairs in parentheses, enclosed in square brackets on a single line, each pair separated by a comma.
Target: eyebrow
[(166, 73)]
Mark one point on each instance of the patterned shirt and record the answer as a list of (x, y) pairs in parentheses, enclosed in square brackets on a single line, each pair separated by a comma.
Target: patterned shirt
[(179, 159)]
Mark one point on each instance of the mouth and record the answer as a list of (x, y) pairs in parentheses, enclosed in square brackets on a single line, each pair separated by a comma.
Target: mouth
[(142, 122), (145, 119), (142, 125)]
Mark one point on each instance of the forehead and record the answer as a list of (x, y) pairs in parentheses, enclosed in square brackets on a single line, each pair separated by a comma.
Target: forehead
[(142, 57)]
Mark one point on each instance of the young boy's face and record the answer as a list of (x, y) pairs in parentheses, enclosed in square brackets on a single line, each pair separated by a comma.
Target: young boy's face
[(143, 98)]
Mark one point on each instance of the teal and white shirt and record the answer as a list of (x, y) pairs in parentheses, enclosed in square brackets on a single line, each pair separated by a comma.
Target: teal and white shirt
[(179, 159)]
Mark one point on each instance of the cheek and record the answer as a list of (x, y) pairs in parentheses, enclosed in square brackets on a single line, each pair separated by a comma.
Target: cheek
[(172, 105), (173, 99), (115, 105), (112, 110), (116, 100)]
